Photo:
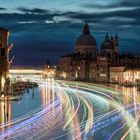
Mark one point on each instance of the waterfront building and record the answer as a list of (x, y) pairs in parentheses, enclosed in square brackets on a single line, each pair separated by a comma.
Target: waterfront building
[(49, 71), (86, 63), (117, 74), (124, 75), (4, 58)]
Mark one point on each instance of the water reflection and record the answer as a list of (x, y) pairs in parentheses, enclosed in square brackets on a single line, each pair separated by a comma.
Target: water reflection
[(5, 110), (73, 114), (131, 96)]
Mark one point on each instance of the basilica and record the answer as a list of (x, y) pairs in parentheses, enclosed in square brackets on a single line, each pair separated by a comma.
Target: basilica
[(107, 64)]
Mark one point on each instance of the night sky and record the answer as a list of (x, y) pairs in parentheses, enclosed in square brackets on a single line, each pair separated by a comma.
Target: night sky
[(42, 29)]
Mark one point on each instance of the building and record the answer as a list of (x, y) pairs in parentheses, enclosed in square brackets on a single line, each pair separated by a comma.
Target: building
[(124, 75), (117, 74), (49, 70), (76, 65), (132, 75), (4, 57), (86, 63)]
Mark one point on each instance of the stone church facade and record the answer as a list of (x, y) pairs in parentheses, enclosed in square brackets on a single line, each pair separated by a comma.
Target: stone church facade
[(86, 63)]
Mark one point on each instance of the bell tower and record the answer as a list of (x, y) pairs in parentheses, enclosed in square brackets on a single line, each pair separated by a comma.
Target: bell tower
[(116, 44)]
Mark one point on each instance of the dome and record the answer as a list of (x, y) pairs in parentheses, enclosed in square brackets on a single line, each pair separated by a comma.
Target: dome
[(107, 43), (86, 40)]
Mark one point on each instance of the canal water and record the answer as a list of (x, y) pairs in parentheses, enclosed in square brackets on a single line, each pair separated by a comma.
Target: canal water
[(33, 100)]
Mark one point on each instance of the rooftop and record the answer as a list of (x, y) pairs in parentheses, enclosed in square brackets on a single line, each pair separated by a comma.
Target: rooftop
[(4, 29)]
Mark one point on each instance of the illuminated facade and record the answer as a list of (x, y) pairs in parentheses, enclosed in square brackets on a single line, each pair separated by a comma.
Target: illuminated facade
[(124, 74), (117, 74), (89, 64), (4, 57), (49, 71), (132, 75)]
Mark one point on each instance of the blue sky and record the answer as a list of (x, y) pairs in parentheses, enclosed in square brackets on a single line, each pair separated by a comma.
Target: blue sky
[(42, 29)]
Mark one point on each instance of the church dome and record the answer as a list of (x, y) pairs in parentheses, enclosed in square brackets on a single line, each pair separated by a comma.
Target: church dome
[(86, 40), (107, 43)]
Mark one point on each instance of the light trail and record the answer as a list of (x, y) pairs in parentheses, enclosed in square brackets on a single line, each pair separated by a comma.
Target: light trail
[(72, 108), (27, 122)]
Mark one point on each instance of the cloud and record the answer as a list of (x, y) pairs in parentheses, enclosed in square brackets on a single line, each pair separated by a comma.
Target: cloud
[(26, 22), (112, 5), (66, 18), (41, 33), (49, 21), (107, 12), (108, 20), (94, 17), (2, 8), (33, 11)]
